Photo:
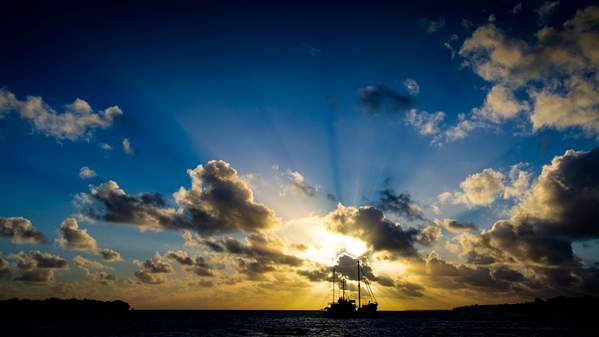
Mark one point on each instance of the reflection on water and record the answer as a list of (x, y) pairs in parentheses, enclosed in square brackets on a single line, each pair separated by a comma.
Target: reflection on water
[(300, 323)]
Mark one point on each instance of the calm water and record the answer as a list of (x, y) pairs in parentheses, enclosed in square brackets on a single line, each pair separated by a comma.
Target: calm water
[(299, 323)]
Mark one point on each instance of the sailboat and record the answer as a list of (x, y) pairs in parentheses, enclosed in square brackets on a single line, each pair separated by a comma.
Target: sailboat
[(346, 307)]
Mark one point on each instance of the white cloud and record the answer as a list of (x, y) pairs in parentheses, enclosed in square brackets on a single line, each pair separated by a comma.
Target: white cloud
[(127, 147), (426, 123), (483, 188), (412, 86), (77, 121), (86, 173), (432, 26), (551, 81)]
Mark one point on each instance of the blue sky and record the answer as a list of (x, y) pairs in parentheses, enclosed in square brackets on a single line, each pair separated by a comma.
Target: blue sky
[(269, 90)]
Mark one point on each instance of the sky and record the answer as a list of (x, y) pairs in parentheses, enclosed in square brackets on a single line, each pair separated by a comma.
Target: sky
[(229, 154)]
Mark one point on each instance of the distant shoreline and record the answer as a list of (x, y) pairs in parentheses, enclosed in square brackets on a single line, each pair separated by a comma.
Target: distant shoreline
[(53, 307)]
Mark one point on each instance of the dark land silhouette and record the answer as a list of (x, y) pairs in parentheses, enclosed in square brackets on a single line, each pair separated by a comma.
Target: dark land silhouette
[(560, 316), (580, 307), (53, 308)]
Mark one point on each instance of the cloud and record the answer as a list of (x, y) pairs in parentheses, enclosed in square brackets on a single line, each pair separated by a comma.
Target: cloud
[(545, 10), (87, 173), (220, 201), (20, 231), (412, 86), (369, 224), (454, 226), (105, 147), (259, 253), (77, 121), (449, 45), (72, 237), (151, 270), (559, 209), (298, 183), (345, 267), (4, 268), (101, 277), (517, 8), (483, 188), (86, 264), (432, 26), (399, 204), (127, 147), (500, 104), (380, 99), (426, 123), (38, 267), (551, 81), (197, 265), (110, 255)]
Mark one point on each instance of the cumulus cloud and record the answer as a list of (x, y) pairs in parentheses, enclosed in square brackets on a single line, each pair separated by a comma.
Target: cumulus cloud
[(298, 182), (370, 225), (37, 267), (412, 86), (127, 147), (399, 204), (151, 271), (454, 226), (345, 267), (555, 75), (86, 264), (72, 237), (101, 277), (196, 265), (426, 123), (110, 255), (483, 188), (77, 121), (258, 253), (559, 209), (20, 231), (377, 99), (87, 173), (432, 26)]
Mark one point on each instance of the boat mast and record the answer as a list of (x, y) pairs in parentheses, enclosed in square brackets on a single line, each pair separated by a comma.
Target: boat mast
[(343, 284), (359, 284), (334, 280)]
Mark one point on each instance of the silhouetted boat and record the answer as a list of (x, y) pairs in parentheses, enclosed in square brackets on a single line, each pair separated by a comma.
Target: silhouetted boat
[(346, 307)]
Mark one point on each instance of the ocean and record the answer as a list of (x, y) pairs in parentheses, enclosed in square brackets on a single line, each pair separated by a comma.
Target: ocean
[(298, 323)]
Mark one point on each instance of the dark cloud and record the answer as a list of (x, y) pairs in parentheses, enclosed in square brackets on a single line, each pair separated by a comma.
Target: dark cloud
[(72, 237), (370, 225), (559, 209), (101, 277), (20, 230), (406, 289), (4, 268), (38, 267), (380, 99), (110, 255), (219, 201), (86, 264), (400, 204), (152, 269), (346, 267), (197, 265), (259, 253), (454, 226)]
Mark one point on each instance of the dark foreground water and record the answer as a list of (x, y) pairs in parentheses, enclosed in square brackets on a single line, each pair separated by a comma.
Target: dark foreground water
[(299, 323)]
